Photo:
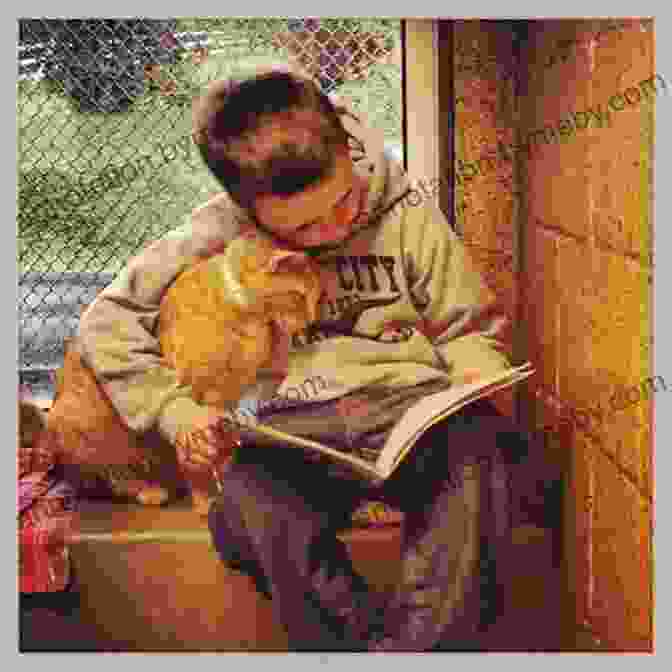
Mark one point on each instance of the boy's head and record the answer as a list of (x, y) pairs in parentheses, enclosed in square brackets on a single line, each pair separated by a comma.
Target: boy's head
[(276, 143)]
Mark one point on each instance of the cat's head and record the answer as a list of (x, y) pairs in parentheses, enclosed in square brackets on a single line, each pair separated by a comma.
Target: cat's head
[(280, 285)]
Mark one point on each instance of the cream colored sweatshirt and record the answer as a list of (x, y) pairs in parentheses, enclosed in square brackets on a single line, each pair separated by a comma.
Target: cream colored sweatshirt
[(403, 305)]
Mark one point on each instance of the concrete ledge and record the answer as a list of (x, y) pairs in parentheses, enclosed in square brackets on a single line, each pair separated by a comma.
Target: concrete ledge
[(150, 580)]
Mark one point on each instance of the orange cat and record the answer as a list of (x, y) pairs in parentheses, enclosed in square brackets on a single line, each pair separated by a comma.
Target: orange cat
[(217, 321), (86, 431), (217, 325)]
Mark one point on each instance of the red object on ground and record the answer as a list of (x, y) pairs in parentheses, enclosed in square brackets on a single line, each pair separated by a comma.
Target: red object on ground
[(44, 563)]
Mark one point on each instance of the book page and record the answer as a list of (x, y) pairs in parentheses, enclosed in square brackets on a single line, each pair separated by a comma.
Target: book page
[(403, 436), (435, 407)]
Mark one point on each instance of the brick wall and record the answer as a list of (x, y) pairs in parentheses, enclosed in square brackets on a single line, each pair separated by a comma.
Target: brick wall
[(572, 208), (586, 299)]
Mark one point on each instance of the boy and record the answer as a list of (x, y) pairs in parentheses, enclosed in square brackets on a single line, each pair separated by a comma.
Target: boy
[(404, 314)]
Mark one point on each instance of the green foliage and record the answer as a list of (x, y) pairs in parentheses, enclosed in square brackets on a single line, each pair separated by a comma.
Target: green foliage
[(260, 31), (66, 224), (378, 98), (49, 210)]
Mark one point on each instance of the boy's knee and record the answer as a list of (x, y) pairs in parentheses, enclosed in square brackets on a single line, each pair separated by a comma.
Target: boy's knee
[(226, 514), (232, 545), (216, 512), (247, 505), (219, 522), (227, 526)]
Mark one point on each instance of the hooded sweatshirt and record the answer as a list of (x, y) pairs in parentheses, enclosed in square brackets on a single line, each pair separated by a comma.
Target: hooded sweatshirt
[(404, 312)]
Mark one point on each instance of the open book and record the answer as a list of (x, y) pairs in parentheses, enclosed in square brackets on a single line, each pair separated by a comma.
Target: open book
[(404, 435)]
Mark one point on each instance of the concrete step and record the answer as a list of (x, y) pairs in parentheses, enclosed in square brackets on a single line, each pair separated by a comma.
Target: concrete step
[(175, 595)]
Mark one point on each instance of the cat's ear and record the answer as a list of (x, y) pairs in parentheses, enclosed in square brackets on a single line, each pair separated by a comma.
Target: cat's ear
[(286, 260)]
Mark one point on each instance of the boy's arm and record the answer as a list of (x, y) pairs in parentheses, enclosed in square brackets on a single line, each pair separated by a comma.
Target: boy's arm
[(117, 339), (461, 315)]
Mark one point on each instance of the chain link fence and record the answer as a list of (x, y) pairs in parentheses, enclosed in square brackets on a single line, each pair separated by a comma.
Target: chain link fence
[(105, 157)]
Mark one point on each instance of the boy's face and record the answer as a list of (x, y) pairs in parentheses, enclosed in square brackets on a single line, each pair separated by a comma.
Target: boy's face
[(323, 214)]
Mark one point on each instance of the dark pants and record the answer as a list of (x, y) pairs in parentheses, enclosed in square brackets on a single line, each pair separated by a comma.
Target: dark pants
[(278, 516)]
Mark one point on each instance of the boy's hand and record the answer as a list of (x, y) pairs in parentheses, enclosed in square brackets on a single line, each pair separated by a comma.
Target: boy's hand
[(209, 443)]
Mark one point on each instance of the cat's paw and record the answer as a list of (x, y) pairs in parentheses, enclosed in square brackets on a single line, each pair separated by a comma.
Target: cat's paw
[(152, 496)]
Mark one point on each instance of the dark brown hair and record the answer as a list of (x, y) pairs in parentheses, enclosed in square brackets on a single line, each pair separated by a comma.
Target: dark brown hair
[(227, 121)]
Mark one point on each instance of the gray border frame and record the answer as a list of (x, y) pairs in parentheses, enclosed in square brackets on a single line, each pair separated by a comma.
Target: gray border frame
[(662, 357)]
